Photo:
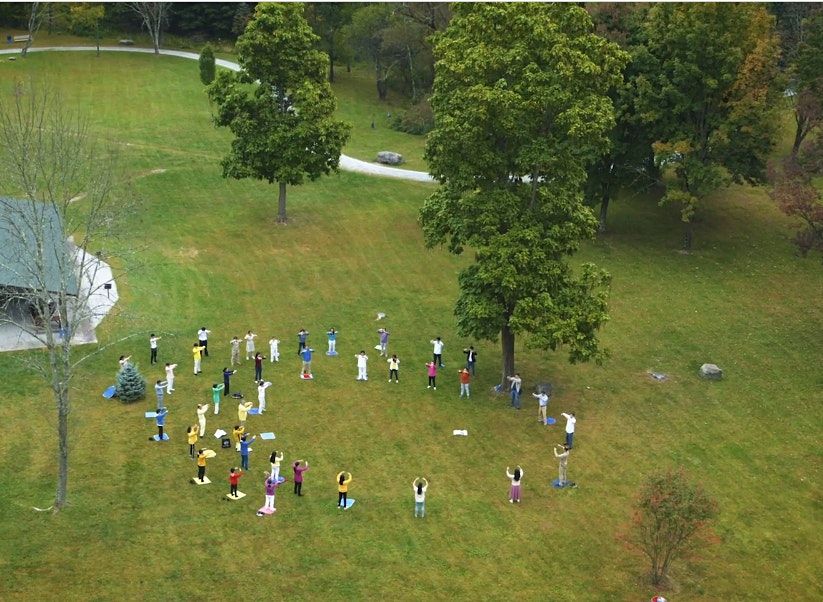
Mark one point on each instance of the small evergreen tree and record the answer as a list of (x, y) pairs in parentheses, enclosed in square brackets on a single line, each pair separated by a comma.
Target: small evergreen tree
[(131, 385), (207, 68)]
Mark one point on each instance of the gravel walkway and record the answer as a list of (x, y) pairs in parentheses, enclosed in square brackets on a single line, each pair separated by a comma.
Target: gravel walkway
[(346, 163)]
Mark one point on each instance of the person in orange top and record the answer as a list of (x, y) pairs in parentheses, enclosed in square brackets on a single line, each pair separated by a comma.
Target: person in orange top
[(343, 480), (464, 382)]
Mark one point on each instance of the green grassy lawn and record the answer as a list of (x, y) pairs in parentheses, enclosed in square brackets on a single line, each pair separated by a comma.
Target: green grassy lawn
[(211, 254)]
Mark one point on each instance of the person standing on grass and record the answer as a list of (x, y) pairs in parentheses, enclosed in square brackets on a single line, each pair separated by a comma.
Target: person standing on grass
[(306, 355), (275, 459), (245, 442), (570, 422), (197, 355), (203, 339), (298, 475), (237, 434), (227, 373), (153, 348), (274, 350), (343, 480), (394, 366), (362, 362), (258, 366), (302, 335), (271, 490), (261, 394), (249, 344), (201, 465), (243, 411), (437, 351), (384, 341), (202, 408), (235, 351), (542, 404), (159, 391), (215, 396), (192, 434), (124, 359), (234, 479), (170, 377), (464, 382), (419, 486), (514, 492), (431, 368), (332, 334), (160, 420), (471, 358), (563, 458), (517, 385)]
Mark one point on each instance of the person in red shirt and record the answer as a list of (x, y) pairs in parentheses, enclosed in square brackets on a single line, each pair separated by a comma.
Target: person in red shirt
[(464, 382), (234, 477)]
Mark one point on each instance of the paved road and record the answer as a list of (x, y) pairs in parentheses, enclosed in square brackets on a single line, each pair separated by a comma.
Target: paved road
[(346, 163)]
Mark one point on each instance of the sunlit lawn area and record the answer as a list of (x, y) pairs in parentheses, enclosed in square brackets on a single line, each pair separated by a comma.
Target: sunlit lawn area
[(205, 251)]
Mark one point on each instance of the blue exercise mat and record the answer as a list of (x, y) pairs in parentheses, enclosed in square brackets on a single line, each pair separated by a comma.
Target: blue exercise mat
[(349, 503), (550, 421), (267, 436), (331, 353), (110, 392), (165, 437), (254, 411)]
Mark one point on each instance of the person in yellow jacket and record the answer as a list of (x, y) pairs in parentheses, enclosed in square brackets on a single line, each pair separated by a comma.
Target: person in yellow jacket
[(238, 434), (243, 411), (201, 465), (343, 480), (193, 433), (197, 355)]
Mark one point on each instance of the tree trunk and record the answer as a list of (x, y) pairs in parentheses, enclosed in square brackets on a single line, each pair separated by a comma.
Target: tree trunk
[(507, 342), (688, 235), (62, 447), (281, 205), (799, 134), (604, 208), (331, 71), (382, 90)]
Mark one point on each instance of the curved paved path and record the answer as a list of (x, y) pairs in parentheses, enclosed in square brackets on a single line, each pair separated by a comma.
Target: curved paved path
[(346, 163)]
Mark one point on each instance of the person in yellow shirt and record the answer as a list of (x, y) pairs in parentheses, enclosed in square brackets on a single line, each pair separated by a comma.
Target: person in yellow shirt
[(201, 464), (193, 432), (343, 480), (243, 411), (197, 354), (238, 434)]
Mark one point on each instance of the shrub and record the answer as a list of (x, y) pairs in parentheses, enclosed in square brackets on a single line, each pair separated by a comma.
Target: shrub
[(418, 119), (207, 67), (131, 385), (670, 512)]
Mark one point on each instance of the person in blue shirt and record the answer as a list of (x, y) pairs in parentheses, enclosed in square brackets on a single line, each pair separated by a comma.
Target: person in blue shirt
[(301, 340), (244, 451), (160, 390), (226, 380), (306, 362), (160, 419), (332, 334)]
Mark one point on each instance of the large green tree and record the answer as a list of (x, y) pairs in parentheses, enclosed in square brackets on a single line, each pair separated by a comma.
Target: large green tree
[(807, 70), (279, 107), (708, 90), (520, 108)]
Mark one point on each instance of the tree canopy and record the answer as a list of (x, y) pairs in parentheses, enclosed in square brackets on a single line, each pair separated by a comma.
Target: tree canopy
[(521, 107), (279, 107)]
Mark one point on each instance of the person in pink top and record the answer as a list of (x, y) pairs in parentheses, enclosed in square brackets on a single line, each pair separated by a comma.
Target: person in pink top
[(432, 368), (298, 475)]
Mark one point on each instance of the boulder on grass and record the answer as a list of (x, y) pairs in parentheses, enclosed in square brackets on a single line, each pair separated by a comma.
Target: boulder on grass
[(711, 372), (389, 158)]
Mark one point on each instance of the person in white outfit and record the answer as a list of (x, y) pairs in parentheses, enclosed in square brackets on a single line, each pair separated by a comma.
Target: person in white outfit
[(275, 459), (419, 486), (274, 350), (437, 351), (362, 360), (543, 402), (202, 408), (203, 339), (261, 394), (249, 344), (170, 377), (570, 422)]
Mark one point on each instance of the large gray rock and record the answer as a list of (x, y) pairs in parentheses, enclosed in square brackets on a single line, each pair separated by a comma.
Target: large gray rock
[(389, 158), (711, 371)]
